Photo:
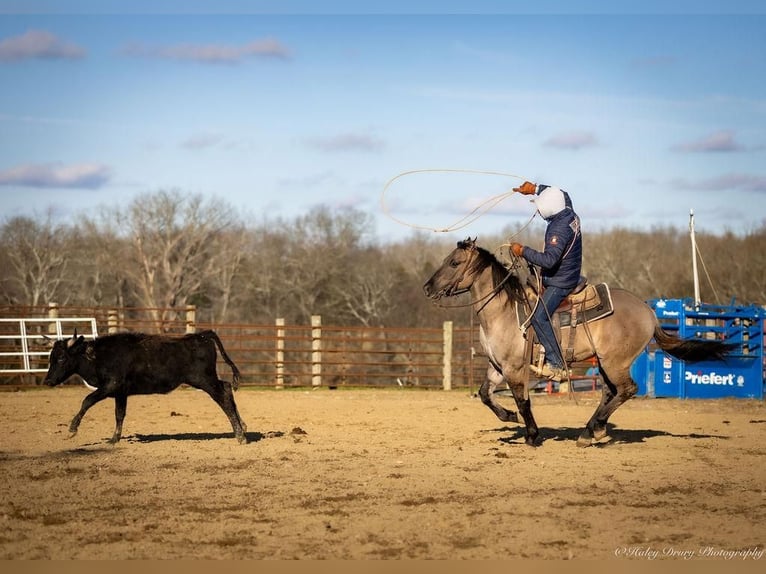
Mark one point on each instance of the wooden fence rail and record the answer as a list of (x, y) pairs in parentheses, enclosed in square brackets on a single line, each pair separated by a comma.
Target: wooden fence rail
[(284, 356)]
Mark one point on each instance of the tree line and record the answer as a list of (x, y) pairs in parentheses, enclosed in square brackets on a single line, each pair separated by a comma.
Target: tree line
[(170, 249)]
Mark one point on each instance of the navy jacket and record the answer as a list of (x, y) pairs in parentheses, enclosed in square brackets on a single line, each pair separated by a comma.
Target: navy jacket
[(561, 261)]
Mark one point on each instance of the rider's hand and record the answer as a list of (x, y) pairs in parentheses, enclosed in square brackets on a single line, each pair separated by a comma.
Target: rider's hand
[(526, 188), (517, 249)]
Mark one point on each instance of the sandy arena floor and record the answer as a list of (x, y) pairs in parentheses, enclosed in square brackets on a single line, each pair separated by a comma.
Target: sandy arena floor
[(379, 474)]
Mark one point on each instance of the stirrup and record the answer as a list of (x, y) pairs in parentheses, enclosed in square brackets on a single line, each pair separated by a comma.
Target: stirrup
[(552, 373)]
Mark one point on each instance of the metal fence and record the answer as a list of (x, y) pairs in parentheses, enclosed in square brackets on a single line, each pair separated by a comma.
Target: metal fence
[(274, 355), (284, 356)]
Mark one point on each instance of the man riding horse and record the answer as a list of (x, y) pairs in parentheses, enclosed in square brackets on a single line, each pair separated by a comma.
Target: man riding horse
[(561, 265)]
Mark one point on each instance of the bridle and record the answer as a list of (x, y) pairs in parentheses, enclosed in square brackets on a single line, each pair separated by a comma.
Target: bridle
[(515, 262)]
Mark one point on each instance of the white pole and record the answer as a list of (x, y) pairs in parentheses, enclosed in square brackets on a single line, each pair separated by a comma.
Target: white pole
[(316, 350), (694, 261), (447, 356), (280, 324)]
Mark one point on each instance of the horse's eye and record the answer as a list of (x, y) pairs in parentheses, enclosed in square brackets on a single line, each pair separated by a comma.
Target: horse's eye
[(454, 263)]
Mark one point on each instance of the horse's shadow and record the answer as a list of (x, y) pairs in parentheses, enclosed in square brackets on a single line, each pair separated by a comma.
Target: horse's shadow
[(252, 437), (615, 435)]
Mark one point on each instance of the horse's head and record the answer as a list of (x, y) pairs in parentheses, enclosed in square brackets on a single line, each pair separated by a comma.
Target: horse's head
[(457, 271)]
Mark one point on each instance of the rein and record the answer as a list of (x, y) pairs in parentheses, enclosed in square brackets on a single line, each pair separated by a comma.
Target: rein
[(486, 298)]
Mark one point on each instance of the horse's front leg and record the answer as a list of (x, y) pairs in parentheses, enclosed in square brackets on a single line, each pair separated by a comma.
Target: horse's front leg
[(525, 410), (487, 394)]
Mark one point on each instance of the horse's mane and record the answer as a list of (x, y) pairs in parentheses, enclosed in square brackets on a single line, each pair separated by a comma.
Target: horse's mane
[(501, 274)]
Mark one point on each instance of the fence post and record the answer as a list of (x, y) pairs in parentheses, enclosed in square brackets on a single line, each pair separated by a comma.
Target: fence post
[(191, 318), (280, 382), (53, 314), (316, 350), (112, 321), (447, 366)]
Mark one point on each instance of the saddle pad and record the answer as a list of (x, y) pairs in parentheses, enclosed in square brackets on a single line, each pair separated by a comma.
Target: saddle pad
[(593, 303)]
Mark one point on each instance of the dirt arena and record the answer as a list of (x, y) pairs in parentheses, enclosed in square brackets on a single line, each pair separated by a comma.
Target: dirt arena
[(379, 474)]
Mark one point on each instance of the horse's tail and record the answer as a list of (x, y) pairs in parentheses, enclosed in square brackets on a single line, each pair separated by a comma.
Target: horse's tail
[(691, 350), (234, 370)]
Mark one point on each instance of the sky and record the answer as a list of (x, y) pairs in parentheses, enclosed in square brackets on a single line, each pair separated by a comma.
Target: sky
[(642, 111)]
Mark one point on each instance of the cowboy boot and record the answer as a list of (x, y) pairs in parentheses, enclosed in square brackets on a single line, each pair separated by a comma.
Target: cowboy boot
[(552, 373)]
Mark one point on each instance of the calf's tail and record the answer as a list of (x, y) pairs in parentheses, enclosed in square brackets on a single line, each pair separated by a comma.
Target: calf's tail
[(691, 350), (234, 370)]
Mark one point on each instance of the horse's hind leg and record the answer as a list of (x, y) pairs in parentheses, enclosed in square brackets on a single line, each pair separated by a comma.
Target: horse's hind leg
[(613, 394), (487, 395)]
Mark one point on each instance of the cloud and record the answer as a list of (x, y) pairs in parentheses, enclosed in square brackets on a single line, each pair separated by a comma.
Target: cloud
[(212, 53), (347, 142), (722, 141), (310, 181), (38, 44), (202, 141), (572, 140), (728, 182), (84, 175)]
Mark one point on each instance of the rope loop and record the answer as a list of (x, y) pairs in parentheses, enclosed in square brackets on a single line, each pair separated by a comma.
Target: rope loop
[(480, 210)]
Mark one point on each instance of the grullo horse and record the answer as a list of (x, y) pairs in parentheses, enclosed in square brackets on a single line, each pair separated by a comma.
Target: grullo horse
[(615, 340)]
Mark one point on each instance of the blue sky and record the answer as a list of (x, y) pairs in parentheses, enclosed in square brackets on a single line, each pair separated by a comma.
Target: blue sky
[(642, 112)]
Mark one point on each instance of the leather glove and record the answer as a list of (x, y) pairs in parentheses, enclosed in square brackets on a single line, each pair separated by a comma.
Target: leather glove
[(517, 249), (526, 188)]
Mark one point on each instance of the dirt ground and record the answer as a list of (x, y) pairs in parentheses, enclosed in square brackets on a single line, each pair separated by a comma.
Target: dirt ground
[(379, 474)]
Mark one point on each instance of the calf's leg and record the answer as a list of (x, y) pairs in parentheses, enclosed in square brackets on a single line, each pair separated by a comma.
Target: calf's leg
[(221, 393), (120, 406), (96, 396)]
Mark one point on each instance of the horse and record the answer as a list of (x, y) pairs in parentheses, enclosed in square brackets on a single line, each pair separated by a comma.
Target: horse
[(615, 340)]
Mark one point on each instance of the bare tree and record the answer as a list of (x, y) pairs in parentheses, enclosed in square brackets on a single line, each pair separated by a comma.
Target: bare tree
[(174, 244), (317, 259), (231, 251), (99, 265), (37, 262), (370, 290)]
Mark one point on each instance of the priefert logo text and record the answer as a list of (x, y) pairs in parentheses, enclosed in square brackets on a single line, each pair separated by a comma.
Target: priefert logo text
[(712, 378)]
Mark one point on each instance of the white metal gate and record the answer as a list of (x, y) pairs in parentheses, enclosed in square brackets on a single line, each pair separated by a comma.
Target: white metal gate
[(24, 340)]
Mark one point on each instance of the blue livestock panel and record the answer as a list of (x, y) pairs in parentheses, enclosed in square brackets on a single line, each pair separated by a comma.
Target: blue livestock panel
[(740, 375)]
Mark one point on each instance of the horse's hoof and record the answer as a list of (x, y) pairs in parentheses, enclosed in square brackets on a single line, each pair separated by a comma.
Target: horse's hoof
[(242, 439), (598, 434), (509, 417), (584, 440)]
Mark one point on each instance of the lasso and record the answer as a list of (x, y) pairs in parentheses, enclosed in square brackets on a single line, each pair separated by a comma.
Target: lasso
[(466, 220)]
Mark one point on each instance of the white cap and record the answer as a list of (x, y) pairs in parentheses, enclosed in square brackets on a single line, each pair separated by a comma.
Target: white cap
[(550, 202)]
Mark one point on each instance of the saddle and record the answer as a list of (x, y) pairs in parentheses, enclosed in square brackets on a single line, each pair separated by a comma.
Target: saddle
[(584, 304)]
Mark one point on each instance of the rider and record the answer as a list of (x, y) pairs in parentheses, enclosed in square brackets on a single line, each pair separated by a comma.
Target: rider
[(561, 264)]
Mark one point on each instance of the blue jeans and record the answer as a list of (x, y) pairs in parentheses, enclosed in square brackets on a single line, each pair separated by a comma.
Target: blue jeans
[(549, 302)]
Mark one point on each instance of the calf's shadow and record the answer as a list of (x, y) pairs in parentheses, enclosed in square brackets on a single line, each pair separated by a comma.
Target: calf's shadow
[(252, 437)]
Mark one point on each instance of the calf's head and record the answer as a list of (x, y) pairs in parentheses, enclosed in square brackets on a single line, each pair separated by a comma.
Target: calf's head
[(64, 359)]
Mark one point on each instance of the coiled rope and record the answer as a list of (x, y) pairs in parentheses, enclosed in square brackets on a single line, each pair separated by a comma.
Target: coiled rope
[(465, 221)]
